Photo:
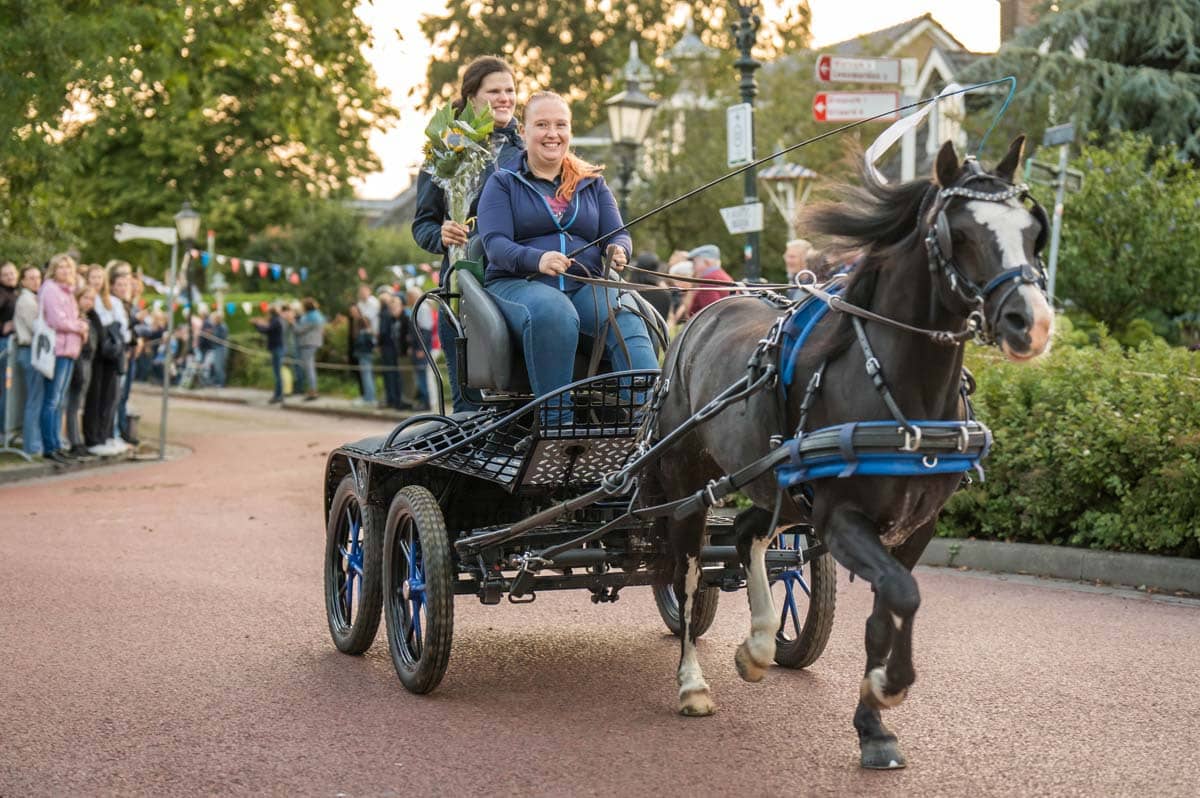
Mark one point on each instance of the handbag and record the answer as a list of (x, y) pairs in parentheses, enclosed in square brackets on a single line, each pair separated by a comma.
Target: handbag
[(41, 347), (112, 345)]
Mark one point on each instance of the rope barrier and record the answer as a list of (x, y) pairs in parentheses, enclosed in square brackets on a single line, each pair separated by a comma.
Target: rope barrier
[(292, 361)]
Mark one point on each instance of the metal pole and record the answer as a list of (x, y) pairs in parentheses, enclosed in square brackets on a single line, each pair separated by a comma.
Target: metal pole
[(626, 176), (1056, 225), (162, 425), (745, 31)]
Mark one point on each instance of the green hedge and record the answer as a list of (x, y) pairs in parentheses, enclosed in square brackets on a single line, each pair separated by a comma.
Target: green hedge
[(1095, 446)]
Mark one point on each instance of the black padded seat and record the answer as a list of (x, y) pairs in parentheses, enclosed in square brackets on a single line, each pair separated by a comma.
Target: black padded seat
[(494, 362)]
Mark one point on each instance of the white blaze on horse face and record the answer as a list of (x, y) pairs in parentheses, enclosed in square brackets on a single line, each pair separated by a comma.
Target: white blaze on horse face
[(1007, 222)]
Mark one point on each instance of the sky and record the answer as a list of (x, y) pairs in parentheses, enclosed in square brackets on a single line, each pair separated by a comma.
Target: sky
[(400, 55)]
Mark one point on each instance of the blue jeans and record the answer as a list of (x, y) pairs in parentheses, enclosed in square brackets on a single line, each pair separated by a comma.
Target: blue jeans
[(548, 322), (367, 374), (35, 391), (277, 372), (52, 403)]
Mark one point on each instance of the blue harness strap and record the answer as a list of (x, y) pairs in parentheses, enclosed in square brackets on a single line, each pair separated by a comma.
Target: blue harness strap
[(796, 330)]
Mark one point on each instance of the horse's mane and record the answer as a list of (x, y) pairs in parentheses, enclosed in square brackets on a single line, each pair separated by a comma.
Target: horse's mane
[(881, 221)]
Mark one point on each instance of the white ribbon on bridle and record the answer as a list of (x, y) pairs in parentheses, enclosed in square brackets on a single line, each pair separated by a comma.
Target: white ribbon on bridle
[(897, 129)]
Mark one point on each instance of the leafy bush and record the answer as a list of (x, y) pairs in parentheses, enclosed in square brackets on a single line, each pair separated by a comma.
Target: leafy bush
[(1094, 446)]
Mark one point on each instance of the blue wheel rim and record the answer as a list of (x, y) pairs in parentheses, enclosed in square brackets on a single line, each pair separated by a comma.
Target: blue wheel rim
[(410, 598), (350, 568), (791, 619)]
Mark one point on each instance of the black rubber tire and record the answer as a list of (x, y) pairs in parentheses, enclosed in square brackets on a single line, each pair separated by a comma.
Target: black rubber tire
[(420, 652), (801, 648), (702, 614), (352, 632)]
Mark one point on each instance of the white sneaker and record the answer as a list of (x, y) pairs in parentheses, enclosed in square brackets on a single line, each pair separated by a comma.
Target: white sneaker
[(100, 450), (116, 445)]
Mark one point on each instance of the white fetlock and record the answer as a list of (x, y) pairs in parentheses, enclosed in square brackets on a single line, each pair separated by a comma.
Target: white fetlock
[(874, 687), (750, 667)]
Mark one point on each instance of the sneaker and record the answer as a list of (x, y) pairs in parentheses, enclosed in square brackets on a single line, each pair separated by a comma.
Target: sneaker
[(359, 402), (60, 458), (116, 445), (275, 400), (100, 450), (311, 397)]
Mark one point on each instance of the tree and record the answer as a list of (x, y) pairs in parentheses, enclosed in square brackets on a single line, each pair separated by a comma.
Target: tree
[(249, 110), (1130, 237), (575, 47), (1107, 65)]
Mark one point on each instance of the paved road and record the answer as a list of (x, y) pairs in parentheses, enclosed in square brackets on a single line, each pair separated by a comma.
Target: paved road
[(164, 634)]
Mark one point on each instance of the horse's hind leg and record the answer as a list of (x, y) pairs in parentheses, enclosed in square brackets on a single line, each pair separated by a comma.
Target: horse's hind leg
[(754, 655), (854, 542), (686, 536)]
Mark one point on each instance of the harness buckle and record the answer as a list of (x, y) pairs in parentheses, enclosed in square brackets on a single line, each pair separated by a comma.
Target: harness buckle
[(964, 439), (911, 437), (872, 366), (708, 493)]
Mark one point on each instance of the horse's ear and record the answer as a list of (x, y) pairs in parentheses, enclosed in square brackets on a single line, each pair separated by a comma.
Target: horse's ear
[(947, 167), (1008, 165)]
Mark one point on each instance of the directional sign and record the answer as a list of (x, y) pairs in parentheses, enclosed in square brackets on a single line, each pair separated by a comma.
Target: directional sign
[(1047, 175), (131, 232), (739, 134), (1058, 135), (851, 106), (746, 218), (867, 70)]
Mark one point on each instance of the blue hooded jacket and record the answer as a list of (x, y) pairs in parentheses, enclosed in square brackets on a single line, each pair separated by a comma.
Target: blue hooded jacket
[(518, 226), (431, 199)]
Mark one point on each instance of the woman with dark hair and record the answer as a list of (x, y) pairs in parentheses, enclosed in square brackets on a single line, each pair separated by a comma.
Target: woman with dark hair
[(486, 81)]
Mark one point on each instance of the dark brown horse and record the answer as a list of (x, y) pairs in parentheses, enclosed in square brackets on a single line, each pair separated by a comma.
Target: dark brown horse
[(941, 254)]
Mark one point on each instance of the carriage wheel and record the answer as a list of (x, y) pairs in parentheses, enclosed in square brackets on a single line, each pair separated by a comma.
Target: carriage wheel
[(806, 598), (702, 614), (353, 547), (418, 589)]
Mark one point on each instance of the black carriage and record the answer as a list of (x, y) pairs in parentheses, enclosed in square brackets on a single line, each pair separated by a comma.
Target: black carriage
[(521, 498)]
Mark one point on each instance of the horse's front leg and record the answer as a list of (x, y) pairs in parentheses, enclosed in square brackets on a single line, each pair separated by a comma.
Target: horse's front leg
[(694, 696), (854, 542), (756, 652)]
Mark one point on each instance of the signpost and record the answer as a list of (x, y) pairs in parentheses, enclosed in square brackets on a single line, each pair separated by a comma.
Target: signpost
[(1062, 136), (867, 70), (746, 218), (739, 135), (851, 106)]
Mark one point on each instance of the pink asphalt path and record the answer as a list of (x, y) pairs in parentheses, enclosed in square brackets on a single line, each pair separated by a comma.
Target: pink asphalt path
[(164, 634)]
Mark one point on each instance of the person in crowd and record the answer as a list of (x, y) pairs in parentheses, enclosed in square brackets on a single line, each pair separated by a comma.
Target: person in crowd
[(9, 291), (81, 377), (272, 328), (310, 336), (393, 345), (293, 311), (62, 315), (364, 354), (486, 81), (108, 364), (530, 216), (123, 289), (369, 307), (217, 333), (203, 342), (680, 272), (795, 260), (24, 317), (706, 265)]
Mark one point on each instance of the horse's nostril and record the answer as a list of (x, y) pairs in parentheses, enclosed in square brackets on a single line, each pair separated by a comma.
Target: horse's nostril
[(1018, 322)]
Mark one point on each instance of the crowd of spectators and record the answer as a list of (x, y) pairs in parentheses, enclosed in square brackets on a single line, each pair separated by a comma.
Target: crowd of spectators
[(76, 409)]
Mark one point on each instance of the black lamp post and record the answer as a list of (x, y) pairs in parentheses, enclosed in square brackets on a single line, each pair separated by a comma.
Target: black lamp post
[(629, 115), (187, 225), (745, 31)]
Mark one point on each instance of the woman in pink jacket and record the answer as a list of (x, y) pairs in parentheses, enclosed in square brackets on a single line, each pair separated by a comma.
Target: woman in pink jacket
[(62, 315)]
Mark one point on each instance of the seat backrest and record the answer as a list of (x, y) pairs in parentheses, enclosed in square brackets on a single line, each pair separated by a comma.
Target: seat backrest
[(493, 363)]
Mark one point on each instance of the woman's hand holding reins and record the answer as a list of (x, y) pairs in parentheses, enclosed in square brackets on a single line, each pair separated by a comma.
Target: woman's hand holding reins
[(616, 257), (553, 263), (454, 234)]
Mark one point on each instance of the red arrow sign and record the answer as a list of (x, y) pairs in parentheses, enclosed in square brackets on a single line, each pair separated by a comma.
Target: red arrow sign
[(823, 64), (819, 106)]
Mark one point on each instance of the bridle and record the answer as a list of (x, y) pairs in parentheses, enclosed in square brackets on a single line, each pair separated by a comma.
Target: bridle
[(958, 292)]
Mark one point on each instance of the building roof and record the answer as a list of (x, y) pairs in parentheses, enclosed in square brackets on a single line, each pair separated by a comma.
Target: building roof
[(880, 42)]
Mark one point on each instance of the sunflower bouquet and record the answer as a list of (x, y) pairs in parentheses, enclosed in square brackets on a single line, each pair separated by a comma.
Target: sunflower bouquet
[(457, 151)]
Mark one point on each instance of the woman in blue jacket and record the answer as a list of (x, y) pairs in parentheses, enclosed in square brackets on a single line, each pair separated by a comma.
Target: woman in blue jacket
[(530, 216), (486, 81)]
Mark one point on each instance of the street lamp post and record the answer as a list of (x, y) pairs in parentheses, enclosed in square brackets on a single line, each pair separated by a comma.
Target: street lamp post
[(629, 115), (745, 31), (187, 225)]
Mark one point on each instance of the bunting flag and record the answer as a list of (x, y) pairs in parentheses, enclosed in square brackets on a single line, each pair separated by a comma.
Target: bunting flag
[(262, 270), (276, 270), (247, 308), (230, 308), (303, 274), (235, 264), (249, 267), (264, 306), (204, 259)]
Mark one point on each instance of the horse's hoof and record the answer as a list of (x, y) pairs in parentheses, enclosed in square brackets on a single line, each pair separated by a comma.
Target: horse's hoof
[(882, 755), (747, 668), (873, 691), (696, 704)]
